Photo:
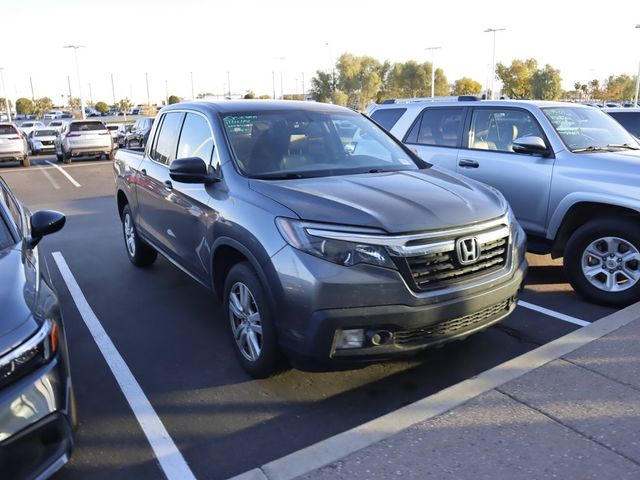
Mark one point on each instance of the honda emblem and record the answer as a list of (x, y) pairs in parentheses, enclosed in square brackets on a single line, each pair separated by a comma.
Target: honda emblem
[(468, 250)]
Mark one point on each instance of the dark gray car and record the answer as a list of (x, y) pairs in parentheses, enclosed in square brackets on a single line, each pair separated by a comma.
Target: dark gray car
[(325, 237), (37, 409)]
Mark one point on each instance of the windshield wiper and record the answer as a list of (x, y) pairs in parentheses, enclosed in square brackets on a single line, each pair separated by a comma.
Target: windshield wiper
[(591, 148), (623, 145), (278, 176)]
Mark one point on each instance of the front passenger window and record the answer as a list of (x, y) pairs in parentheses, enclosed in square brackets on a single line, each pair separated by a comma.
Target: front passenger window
[(196, 139), (497, 129)]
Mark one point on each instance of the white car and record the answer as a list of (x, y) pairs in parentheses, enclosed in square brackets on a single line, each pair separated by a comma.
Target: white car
[(84, 138), (27, 127), (52, 115), (42, 140), (114, 129), (13, 146), (57, 125)]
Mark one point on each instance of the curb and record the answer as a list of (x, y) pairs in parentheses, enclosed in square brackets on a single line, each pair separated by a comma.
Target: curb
[(339, 446)]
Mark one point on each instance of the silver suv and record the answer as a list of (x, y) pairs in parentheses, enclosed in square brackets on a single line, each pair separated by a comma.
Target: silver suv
[(84, 138), (570, 172), (13, 145)]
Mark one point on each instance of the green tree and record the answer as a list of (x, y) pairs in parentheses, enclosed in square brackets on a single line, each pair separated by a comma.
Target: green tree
[(124, 106), (466, 86), (175, 99), (3, 105), (620, 87), (359, 78), (249, 95), (546, 83), (516, 78), (321, 86), (42, 105), (102, 107), (412, 79), (24, 106), (340, 98), (264, 97), (594, 89), (74, 102)]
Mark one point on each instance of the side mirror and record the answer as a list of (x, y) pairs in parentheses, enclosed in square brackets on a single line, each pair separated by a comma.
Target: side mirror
[(191, 170), (531, 145), (44, 222)]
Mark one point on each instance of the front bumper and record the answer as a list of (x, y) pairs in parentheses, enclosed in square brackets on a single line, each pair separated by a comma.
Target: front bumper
[(321, 299), (36, 425)]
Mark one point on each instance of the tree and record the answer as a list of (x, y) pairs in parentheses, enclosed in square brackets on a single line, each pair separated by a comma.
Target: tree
[(24, 106), (102, 107), (340, 98), (321, 86), (466, 86), (125, 105), (516, 79), (74, 102), (41, 106), (359, 78), (174, 99), (264, 97), (546, 83), (621, 87), (3, 105), (594, 89), (249, 95)]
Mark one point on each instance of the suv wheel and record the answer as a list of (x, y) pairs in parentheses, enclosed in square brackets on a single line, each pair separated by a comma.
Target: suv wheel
[(602, 261), (66, 157), (139, 253), (249, 315), (25, 161)]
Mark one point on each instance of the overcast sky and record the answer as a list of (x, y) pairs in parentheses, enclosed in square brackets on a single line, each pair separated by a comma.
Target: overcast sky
[(248, 38)]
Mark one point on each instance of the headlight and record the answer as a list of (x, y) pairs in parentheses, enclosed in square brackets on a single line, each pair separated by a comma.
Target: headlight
[(337, 251), (518, 235), (36, 351)]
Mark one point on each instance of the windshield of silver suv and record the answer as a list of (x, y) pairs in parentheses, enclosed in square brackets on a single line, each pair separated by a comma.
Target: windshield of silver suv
[(589, 129), (297, 144)]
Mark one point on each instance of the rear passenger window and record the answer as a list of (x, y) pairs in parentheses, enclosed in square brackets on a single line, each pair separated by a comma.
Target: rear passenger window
[(196, 139), (497, 129), (388, 117), (438, 126), (167, 138)]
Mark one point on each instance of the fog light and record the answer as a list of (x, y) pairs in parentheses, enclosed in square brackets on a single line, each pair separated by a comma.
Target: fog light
[(350, 339)]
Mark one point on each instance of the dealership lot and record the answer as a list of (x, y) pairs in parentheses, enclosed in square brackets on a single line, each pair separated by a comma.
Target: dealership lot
[(175, 343)]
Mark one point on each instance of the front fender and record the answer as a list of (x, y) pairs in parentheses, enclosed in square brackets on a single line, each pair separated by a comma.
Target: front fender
[(558, 215)]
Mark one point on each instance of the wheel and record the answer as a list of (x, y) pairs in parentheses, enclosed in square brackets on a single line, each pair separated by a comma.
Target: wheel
[(58, 156), (112, 155), (66, 157), (602, 261), (250, 320), (25, 161), (139, 253)]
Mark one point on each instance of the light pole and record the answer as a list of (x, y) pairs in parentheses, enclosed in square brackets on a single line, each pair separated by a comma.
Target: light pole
[(33, 97), (273, 83), (433, 70), (113, 91), (75, 54), (280, 60), (493, 62), (146, 79), (635, 98), (333, 68), (229, 83), (193, 97), (166, 91), (4, 94)]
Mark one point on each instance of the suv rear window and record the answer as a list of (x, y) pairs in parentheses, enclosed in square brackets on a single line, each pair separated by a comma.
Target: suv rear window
[(45, 133), (437, 126), (629, 120), (7, 130), (86, 126), (388, 117)]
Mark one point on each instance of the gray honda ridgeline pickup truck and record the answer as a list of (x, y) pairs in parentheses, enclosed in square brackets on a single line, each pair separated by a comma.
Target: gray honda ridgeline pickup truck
[(325, 238)]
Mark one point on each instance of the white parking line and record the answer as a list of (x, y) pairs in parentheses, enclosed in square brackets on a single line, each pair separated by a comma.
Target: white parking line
[(69, 177), (553, 313), (50, 178), (171, 460)]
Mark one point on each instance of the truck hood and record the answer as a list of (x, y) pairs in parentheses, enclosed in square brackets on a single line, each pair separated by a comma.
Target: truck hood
[(396, 202)]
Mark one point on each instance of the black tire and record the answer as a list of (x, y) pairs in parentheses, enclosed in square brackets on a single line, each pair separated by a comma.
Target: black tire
[(66, 157), (139, 253), (58, 156), (112, 155), (25, 161), (629, 233), (269, 360)]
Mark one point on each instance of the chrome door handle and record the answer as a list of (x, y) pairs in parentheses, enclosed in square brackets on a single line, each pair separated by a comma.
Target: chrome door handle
[(468, 164)]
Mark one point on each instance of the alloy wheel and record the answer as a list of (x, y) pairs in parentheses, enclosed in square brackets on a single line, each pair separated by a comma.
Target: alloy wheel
[(244, 317), (611, 264)]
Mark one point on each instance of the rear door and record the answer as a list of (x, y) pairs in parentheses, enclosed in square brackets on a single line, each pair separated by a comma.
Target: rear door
[(436, 135), (488, 156)]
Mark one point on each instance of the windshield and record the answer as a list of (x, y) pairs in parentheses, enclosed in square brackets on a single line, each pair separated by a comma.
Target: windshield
[(86, 126), (45, 133), (296, 144), (588, 129)]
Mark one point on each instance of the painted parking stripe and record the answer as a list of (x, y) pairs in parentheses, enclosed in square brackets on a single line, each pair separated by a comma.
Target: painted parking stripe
[(553, 313), (69, 177), (50, 178), (171, 460)]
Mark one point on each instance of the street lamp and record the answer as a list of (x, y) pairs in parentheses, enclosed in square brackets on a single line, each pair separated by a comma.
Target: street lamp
[(75, 54), (493, 63), (635, 98), (433, 71), (4, 94), (333, 68)]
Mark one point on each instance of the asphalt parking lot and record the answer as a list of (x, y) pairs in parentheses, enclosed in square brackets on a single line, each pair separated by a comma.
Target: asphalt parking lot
[(171, 335)]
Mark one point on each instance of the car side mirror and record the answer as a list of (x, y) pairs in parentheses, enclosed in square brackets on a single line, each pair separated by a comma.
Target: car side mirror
[(191, 170), (44, 222), (531, 145)]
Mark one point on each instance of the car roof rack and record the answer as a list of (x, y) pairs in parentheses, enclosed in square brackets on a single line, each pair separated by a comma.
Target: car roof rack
[(452, 98)]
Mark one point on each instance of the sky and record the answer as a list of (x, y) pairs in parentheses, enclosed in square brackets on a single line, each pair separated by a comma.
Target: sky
[(167, 41)]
